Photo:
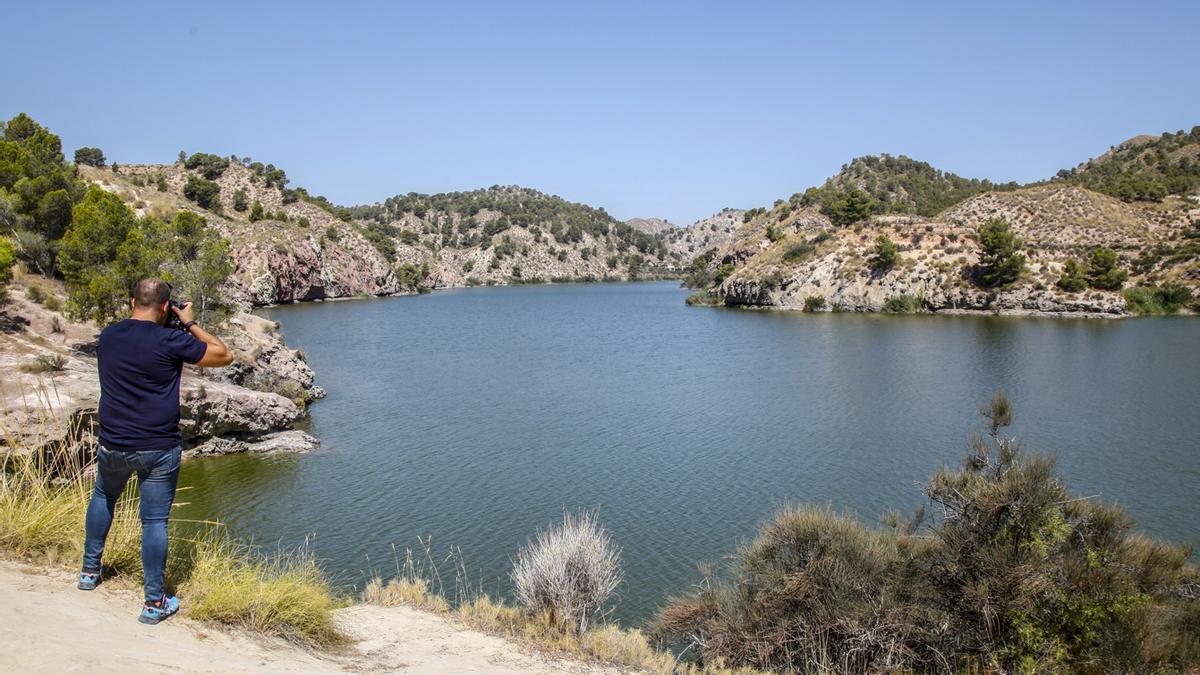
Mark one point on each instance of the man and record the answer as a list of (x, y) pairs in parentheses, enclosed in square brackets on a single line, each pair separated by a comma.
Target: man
[(141, 361)]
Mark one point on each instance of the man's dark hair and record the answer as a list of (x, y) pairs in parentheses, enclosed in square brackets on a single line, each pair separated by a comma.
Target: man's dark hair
[(151, 293)]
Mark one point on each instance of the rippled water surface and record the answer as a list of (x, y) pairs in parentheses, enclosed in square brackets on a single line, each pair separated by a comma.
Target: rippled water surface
[(476, 415)]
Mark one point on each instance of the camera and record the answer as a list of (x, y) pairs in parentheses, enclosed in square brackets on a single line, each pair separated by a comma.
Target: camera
[(173, 318)]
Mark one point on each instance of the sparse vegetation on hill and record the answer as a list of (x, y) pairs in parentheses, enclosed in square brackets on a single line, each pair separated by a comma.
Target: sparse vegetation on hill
[(1146, 168), (457, 217), (888, 184)]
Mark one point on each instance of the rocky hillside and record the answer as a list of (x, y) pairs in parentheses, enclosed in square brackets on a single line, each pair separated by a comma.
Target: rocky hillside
[(704, 235), (290, 246), (796, 256), (652, 225)]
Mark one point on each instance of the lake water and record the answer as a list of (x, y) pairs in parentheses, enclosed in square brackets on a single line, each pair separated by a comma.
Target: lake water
[(476, 415)]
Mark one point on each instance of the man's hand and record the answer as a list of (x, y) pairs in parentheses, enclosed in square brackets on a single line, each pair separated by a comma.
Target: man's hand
[(186, 314)]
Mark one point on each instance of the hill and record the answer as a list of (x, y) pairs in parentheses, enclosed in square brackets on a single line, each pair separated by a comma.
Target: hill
[(1143, 168), (819, 250), (887, 184), (289, 245)]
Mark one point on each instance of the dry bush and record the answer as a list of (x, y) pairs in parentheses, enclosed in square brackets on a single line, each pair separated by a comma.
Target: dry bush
[(568, 571), (1014, 574)]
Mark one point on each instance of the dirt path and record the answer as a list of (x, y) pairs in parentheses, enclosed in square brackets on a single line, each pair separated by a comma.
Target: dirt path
[(48, 626)]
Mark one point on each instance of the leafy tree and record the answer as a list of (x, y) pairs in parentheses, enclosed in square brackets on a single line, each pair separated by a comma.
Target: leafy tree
[(1000, 260), (160, 182), (108, 249), (182, 156), (256, 212), (1103, 272), (205, 193), (90, 157), (1072, 279), (635, 263), (210, 166), (37, 186), (885, 256), (848, 207), (239, 200)]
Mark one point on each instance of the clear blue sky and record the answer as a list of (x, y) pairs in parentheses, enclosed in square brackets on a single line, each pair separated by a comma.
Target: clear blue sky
[(670, 109)]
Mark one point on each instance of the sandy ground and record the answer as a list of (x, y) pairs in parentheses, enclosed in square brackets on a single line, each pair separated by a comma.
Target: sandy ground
[(49, 626)]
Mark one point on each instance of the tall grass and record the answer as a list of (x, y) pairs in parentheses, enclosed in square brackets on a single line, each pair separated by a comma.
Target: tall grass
[(44, 494)]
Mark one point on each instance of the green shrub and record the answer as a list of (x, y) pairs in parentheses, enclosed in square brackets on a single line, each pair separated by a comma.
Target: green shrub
[(773, 233), (885, 255), (1103, 272), (814, 303), (846, 207), (210, 166), (1072, 279), (8, 258), (257, 212), (798, 253), (902, 304), (723, 272), (700, 298), (1150, 301), (205, 193), (1000, 262), (240, 201), (1015, 574)]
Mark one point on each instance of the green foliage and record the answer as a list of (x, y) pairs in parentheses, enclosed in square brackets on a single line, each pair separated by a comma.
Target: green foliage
[(90, 157), (382, 238), (897, 185), (751, 214), (773, 233), (240, 202), (331, 233), (723, 272), (814, 303), (1000, 262), (697, 275), (1162, 300), (160, 182), (205, 193), (846, 207), (8, 258), (410, 276), (38, 187), (1072, 279), (1016, 575), (256, 211), (210, 166), (1143, 171), (884, 256), (107, 250), (700, 298), (1103, 272), (902, 304)]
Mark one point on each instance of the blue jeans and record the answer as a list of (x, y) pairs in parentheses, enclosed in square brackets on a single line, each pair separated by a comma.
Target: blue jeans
[(158, 473)]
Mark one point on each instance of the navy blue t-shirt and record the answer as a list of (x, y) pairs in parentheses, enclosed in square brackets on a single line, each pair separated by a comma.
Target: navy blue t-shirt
[(140, 365)]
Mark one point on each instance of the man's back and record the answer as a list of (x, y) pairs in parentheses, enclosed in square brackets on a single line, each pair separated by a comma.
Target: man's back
[(140, 366)]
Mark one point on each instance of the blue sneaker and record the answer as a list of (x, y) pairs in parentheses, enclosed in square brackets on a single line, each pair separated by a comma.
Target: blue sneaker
[(153, 613), (88, 581)]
